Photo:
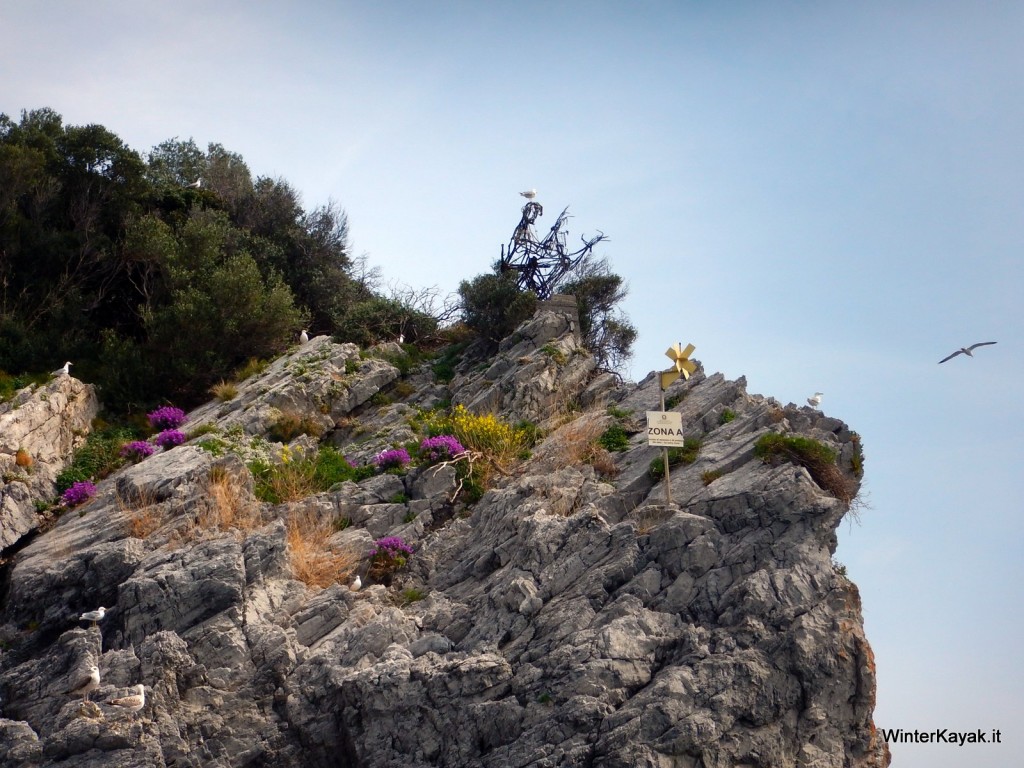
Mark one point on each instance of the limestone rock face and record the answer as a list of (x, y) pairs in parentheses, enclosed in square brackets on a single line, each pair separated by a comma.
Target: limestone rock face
[(570, 617), (39, 430)]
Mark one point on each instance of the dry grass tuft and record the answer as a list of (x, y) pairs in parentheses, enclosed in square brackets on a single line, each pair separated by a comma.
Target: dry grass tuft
[(230, 506), (224, 390), (578, 443), (313, 562), (648, 518), (143, 514)]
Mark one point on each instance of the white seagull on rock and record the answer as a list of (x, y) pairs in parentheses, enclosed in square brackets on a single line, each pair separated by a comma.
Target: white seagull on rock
[(93, 616), (357, 584), (966, 350), (87, 683), (303, 337), (529, 194), (133, 702), (65, 371), (815, 401)]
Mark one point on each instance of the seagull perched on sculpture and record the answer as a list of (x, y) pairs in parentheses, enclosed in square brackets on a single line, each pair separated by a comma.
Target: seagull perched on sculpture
[(529, 194), (966, 350), (815, 400)]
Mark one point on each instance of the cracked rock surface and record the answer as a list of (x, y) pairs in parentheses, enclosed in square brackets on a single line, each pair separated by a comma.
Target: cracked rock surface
[(570, 617)]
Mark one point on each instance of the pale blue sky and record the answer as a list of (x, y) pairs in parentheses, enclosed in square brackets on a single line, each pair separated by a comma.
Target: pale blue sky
[(820, 196)]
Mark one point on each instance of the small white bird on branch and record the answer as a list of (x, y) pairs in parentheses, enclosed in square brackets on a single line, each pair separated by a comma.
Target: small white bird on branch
[(529, 194), (87, 683), (966, 350), (815, 400)]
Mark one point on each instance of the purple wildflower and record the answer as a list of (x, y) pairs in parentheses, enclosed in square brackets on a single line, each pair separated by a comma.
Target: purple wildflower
[(440, 448), (167, 417), (170, 438), (77, 493), (395, 458), (137, 450), (390, 548)]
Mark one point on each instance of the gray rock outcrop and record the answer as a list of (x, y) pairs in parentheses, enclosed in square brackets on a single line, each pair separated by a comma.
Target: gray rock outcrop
[(39, 429), (567, 618)]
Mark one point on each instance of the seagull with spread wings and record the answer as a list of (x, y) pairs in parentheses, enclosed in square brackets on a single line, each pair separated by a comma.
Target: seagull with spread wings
[(966, 350)]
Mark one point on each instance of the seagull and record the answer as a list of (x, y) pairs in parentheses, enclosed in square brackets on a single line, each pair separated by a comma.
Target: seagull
[(357, 584), (529, 194), (966, 350), (86, 684), (401, 338), (65, 371), (133, 702), (93, 616), (815, 401), (303, 337), (195, 184)]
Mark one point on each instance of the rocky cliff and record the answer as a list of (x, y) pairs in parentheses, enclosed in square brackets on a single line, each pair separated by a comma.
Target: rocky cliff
[(568, 617)]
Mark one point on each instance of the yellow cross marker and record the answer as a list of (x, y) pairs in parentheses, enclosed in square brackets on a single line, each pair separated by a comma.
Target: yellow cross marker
[(682, 365)]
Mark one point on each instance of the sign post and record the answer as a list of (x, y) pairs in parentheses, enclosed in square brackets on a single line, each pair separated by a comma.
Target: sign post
[(665, 429)]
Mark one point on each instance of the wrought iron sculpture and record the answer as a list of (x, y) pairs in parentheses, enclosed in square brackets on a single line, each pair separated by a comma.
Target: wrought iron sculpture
[(542, 263)]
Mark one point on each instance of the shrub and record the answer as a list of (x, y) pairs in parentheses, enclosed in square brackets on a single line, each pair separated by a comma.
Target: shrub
[(440, 448), (493, 306), (388, 555), (96, 458), (685, 455), (291, 424), (167, 417), (169, 438), (252, 367), (554, 353), (614, 438), (393, 458), (618, 413), (727, 415), (675, 400), (137, 450), (818, 458), (78, 493), (711, 475)]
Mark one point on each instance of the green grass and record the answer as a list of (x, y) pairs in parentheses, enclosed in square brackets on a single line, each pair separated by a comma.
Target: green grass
[(554, 353), (727, 416), (9, 384), (619, 413)]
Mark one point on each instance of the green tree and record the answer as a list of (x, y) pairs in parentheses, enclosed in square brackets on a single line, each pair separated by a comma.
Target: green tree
[(493, 306), (606, 332)]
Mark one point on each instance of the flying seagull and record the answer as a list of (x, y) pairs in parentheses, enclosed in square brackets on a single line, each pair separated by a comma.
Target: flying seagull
[(815, 401), (529, 194), (966, 350), (93, 616), (303, 337), (357, 584), (133, 702), (65, 371), (86, 684)]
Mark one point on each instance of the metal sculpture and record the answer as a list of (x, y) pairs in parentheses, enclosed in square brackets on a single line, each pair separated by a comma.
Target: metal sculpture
[(540, 264)]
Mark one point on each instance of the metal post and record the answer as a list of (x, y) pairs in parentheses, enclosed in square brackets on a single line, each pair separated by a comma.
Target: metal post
[(664, 458)]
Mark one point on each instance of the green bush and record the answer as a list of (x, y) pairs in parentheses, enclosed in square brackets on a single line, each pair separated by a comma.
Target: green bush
[(614, 439), (493, 306), (98, 457), (726, 416), (685, 455), (818, 458)]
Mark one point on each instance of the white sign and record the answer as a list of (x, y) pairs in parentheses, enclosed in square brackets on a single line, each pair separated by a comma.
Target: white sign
[(665, 429)]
